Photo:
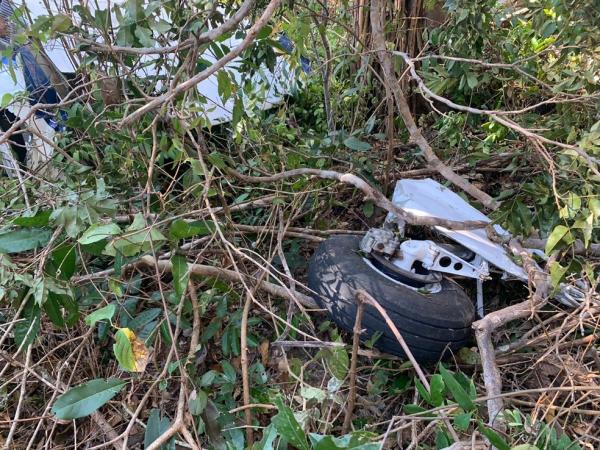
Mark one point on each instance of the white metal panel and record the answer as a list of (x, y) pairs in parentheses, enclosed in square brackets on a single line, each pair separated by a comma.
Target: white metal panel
[(428, 198)]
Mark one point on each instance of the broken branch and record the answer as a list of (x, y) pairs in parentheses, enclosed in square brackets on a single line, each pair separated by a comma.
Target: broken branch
[(483, 331), (370, 193), (353, 363)]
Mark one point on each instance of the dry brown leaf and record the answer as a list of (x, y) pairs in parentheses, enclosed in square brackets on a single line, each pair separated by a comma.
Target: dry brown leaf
[(141, 353), (264, 352), (3, 28)]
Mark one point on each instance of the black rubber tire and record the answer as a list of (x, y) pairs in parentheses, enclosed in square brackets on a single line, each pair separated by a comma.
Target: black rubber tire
[(17, 141), (432, 325)]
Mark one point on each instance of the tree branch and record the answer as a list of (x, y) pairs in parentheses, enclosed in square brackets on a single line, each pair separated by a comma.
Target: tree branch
[(192, 82), (495, 115), (484, 328), (206, 37), (370, 193), (404, 110)]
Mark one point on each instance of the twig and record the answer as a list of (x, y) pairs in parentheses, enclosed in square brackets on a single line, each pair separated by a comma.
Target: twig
[(153, 156), (292, 284), (203, 270), (244, 364), (58, 386), (326, 67), (230, 275), (22, 397), (587, 412), (233, 276), (308, 344), (419, 437), (577, 247), (252, 405), (353, 363)]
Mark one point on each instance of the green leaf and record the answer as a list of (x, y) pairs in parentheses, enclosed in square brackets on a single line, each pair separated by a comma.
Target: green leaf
[(268, 437), (197, 402), (368, 209), (411, 408), (216, 159), (105, 313), (181, 229), (67, 316), (123, 349), (472, 81), (27, 329), (40, 219), (64, 258), (94, 249), (155, 427), (442, 440), (223, 85), (337, 361), (468, 356), (495, 439), (71, 307), (61, 23), (587, 227), (53, 309), (288, 427), (594, 205), (6, 100), (527, 447), (144, 318), (460, 395), (23, 240), (161, 26), (39, 290), (436, 388), (462, 421), (86, 398), (97, 232), (145, 36), (467, 384), (555, 237), (237, 113), (424, 393), (354, 143), (557, 272), (133, 243), (548, 28), (208, 378), (313, 393), (181, 274), (353, 441), (264, 32)]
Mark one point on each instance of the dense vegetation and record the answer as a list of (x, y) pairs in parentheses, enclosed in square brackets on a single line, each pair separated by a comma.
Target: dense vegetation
[(152, 276)]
